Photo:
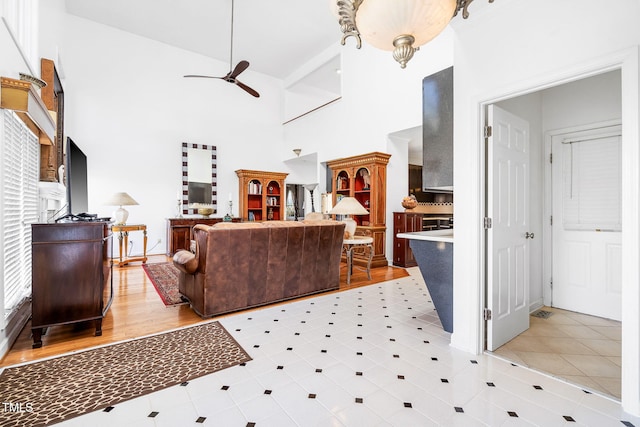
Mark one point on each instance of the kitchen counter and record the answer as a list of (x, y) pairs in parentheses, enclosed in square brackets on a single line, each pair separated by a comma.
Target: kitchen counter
[(433, 251), (445, 235)]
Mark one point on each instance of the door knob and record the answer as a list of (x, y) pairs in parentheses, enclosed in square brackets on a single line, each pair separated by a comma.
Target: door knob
[(528, 235)]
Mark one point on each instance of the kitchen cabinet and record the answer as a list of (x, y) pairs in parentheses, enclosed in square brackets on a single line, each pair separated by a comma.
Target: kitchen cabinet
[(404, 222), (434, 254)]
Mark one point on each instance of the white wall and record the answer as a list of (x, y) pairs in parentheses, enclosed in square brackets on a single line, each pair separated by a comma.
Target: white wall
[(146, 109), (378, 98), (21, 17), (582, 102), (129, 109), (518, 47)]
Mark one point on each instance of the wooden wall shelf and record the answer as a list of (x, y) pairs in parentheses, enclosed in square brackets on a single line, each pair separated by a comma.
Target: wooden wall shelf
[(21, 97)]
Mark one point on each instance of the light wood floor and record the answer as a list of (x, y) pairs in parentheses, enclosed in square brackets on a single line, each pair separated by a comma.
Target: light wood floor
[(137, 311)]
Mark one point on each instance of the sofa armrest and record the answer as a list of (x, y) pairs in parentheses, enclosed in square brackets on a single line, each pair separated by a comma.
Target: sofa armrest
[(185, 261)]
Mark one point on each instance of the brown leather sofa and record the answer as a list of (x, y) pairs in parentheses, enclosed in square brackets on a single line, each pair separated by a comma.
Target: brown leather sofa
[(242, 265)]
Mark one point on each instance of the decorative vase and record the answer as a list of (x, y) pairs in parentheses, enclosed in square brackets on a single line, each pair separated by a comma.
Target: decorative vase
[(409, 203), (205, 212)]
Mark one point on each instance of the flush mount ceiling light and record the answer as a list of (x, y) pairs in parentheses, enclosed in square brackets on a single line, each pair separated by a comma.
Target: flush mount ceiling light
[(401, 26)]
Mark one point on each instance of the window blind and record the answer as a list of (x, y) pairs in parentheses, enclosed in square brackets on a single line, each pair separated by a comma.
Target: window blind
[(20, 170), (592, 194)]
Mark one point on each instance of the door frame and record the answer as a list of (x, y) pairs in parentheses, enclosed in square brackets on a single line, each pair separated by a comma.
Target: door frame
[(547, 234), (628, 62)]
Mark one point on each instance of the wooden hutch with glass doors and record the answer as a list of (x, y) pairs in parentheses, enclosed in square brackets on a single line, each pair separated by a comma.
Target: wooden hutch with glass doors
[(262, 195), (364, 177)]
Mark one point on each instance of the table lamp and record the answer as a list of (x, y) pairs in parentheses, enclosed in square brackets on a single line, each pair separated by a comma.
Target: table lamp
[(349, 206), (121, 199)]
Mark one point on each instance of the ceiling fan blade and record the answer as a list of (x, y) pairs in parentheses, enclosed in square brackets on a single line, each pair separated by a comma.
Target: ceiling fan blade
[(204, 77), (232, 74), (248, 89), (242, 65)]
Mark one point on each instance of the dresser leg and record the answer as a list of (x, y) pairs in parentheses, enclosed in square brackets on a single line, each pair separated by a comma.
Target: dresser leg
[(37, 337), (98, 327)]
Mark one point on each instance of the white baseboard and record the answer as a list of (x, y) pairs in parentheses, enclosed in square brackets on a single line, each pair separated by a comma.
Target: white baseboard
[(12, 329), (535, 305)]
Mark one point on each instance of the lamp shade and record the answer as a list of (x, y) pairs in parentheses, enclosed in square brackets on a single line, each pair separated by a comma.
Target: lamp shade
[(120, 199), (348, 206), (380, 22)]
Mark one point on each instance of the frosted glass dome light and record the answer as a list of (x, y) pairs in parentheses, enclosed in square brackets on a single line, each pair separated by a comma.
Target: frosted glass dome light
[(401, 26)]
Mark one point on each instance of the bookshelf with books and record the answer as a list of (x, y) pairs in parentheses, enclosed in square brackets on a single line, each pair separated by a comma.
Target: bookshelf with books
[(364, 177), (262, 195)]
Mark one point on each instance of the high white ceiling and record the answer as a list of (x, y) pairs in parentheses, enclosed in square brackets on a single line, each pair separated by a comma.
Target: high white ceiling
[(275, 36)]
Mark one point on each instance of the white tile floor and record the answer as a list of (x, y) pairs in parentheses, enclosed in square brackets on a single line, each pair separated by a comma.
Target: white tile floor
[(371, 356)]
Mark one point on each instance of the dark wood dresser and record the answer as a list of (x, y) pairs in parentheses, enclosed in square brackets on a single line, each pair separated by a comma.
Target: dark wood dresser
[(404, 222), (71, 266), (179, 231)]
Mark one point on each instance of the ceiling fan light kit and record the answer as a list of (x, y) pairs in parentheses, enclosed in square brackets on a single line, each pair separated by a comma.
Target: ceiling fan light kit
[(232, 75), (400, 26)]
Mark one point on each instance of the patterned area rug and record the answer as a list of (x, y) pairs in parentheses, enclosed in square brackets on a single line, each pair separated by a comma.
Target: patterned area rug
[(50, 391), (164, 277)]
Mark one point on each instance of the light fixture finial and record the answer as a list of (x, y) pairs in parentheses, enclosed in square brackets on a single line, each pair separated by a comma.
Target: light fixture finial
[(404, 49)]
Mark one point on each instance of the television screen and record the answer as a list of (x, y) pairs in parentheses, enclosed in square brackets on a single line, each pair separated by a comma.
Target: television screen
[(199, 192), (76, 172)]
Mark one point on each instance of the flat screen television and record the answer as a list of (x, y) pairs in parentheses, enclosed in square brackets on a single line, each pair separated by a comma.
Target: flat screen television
[(76, 174)]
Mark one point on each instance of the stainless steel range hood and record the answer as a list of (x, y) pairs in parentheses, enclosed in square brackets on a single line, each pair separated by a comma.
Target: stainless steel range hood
[(437, 131)]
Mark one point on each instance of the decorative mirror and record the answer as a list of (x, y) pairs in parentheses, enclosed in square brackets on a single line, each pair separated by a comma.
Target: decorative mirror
[(199, 177)]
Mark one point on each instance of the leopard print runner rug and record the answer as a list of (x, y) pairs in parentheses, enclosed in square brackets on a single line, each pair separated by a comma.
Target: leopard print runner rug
[(53, 390)]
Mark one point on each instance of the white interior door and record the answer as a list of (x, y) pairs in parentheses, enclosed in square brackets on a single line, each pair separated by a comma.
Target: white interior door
[(587, 222), (508, 237)]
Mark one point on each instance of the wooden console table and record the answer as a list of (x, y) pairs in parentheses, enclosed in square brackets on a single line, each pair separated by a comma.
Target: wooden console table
[(179, 232), (123, 233)]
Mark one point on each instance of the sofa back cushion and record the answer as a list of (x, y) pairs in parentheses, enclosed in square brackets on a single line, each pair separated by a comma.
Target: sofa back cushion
[(252, 263)]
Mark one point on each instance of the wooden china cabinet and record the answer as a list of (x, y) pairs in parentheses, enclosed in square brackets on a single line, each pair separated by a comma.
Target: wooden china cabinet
[(365, 178), (262, 195)]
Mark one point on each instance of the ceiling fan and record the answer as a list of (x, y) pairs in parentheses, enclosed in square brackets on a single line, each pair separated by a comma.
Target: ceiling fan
[(231, 76)]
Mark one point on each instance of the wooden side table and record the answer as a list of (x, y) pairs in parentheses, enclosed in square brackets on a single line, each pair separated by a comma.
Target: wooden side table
[(123, 233), (357, 241)]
